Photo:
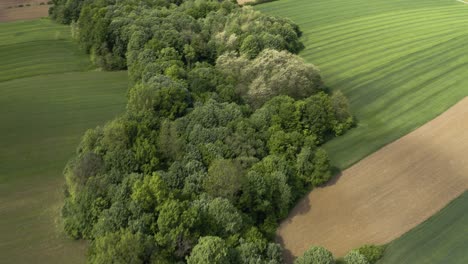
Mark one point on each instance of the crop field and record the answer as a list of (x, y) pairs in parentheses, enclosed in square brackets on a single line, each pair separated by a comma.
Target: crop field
[(44, 111), (401, 63), (441, 239), (388, 193)]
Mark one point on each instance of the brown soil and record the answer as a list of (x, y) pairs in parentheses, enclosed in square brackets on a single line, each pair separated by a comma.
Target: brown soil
[(15, 3), (22, 13), (387, 193)]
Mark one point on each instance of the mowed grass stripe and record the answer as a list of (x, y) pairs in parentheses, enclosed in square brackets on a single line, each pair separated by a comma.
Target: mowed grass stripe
[(25, 31), (41, 57), (375, 56), (31, 48), (413, 77), (368, 22), (368, 35), (398, 67)]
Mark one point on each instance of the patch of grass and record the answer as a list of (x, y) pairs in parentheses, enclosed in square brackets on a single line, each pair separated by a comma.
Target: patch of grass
[(38, 47), (441, 239), (42, 118), (401, 63)]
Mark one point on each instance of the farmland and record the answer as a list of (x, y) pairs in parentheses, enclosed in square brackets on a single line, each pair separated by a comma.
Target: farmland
[(48, 101), (12, 10), (387, 193), (441, 239)]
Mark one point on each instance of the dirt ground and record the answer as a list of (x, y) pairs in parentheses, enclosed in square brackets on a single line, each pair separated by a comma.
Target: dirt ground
[(9, 10), (387, 193)]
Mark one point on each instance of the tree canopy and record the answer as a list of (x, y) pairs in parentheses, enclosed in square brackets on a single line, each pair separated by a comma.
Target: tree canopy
[(221, 135)]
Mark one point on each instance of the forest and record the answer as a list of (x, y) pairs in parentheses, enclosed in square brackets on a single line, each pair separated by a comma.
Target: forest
[(222, 133)]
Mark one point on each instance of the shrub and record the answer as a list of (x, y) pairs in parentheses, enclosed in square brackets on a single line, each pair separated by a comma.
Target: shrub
[(354, 257), (316, 255), (371, 252)]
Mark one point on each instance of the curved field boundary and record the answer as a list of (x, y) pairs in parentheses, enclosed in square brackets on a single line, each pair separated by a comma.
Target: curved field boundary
[(461, 1), (441, 239), (387, 193)]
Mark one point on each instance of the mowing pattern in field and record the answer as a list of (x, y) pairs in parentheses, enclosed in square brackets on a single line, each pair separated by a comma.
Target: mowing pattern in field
[(38, 47), (42, 119), (400, 62), (442, 239), (387, 193)]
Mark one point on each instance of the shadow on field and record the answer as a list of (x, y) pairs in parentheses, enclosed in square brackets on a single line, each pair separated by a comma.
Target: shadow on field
[(287, 254)]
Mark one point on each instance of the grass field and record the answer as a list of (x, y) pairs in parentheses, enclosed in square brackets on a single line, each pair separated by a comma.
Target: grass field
[(42, 118), (401, 63), (39, 47), (441, 239)]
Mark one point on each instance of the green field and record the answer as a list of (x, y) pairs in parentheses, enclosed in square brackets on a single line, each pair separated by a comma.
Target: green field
[(441, 239), (42, 118), (401, 63)]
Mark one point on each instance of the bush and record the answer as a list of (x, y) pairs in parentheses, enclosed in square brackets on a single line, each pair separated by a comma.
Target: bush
[(210, 249), (354, 257), (316, 255), (371, 252)]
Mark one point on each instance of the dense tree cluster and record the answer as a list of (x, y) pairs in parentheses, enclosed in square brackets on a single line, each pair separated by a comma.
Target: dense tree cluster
[(221, 134)]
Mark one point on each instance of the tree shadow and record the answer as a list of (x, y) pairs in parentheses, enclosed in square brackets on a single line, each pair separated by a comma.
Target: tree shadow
[(288, 257)]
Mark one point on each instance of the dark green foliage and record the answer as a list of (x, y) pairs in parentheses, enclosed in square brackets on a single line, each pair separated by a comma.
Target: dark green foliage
[(203, 164), (224, 179), (316, 255)]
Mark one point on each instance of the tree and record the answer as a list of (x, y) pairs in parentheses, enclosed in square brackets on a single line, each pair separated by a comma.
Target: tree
[(122, 247), (220, 217), (224, 179), (372, 253), (316, 255), (272, 73), (341, 110), (209, 250), (354, 257)]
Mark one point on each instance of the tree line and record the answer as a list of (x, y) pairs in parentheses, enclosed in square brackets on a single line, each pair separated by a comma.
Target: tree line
[(221, 133)]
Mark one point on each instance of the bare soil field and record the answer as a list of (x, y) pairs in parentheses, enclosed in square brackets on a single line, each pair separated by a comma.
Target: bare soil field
[(9, 10), (16, 3), (387, 193)]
